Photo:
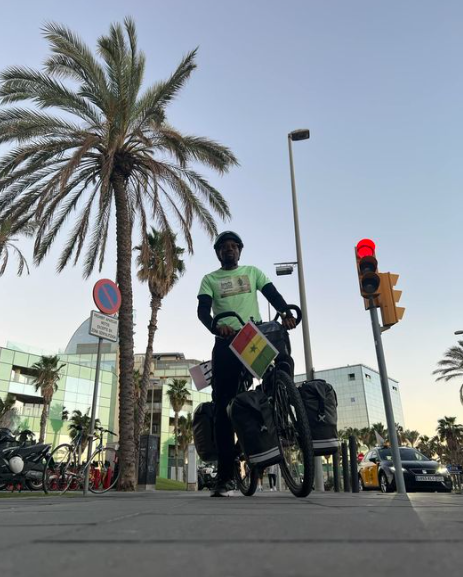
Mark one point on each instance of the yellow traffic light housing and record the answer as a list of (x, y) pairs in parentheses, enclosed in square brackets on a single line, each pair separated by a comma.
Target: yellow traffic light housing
[(388, 299)]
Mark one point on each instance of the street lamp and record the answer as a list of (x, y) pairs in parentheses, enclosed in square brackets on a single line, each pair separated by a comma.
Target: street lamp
[(295, 135), (458, 333)]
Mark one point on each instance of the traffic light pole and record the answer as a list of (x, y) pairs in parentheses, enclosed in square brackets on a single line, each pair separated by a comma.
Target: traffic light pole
[(399, 476)]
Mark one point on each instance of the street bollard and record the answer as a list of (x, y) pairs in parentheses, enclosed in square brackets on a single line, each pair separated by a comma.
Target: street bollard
[(336, 471), (345, 467), (353, 464)]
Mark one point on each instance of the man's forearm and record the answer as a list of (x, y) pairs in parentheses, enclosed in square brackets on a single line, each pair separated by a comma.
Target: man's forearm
[(204, 311), (274, 298)]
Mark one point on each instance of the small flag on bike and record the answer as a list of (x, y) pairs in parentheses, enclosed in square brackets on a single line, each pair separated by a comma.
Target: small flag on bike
[(202, 375), (253, 349)]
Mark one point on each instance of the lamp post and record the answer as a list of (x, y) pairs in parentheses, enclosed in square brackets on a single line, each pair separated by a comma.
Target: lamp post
[(302, 134), (294, 136)]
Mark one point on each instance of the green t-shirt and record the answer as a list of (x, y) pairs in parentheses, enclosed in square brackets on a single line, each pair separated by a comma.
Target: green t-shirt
[(235, 290)]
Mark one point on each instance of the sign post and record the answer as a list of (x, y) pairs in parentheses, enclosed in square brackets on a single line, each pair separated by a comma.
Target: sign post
[(107, 298)]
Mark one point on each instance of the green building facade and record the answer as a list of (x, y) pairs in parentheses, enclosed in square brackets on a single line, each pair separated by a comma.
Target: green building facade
[(75, 391)]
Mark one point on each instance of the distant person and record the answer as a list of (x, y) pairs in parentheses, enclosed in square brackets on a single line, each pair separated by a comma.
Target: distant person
[(272, 477), (232, 288)]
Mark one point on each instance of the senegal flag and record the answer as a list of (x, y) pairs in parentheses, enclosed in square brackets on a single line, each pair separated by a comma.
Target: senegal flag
[(253, 349)]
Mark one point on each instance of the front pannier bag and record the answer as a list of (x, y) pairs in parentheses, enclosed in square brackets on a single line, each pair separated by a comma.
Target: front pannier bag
[(321, 404), (203, 432), (252, 419)]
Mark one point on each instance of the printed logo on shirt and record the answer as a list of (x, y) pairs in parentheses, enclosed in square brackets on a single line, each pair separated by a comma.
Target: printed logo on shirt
[(234, 285)]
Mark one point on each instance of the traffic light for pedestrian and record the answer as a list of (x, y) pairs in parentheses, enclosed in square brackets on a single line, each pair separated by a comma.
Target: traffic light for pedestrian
[(388, 299), (367, 269)]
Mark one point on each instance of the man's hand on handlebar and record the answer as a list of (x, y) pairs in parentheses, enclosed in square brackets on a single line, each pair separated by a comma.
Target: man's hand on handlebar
[(289, 323), (225, 331)]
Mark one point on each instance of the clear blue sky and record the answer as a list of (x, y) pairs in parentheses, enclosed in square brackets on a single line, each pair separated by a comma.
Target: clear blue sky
[(380, 86)]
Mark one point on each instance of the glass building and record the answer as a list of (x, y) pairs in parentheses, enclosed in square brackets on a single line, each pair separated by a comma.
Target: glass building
[(360, 400), (75, 390)]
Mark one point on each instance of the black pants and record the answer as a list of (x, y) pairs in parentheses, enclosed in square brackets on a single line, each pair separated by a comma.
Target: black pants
[(272, 480), (226, 370)]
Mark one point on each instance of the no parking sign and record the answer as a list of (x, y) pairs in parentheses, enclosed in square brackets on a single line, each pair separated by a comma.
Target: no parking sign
[(107, 296)]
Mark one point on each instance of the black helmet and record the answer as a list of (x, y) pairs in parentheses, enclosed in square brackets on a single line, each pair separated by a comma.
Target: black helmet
[(228, 235)]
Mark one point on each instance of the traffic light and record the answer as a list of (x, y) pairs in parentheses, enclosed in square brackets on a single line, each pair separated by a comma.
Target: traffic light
[(388, 297), (367, 269)]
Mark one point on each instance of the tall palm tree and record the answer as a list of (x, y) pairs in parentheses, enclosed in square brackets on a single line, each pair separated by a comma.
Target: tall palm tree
[(178, 395), (426, 446), (47, 374), (8, 232), (80, 422), (451, 366), (161, 273), (112, 145), (185, 437), (451, 433)]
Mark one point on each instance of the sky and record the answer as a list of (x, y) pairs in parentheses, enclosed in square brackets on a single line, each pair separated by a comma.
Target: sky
[(379, 85)]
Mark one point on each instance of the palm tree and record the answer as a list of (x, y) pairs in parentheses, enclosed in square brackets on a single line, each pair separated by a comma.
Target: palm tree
[(7, 411), (451, 433), (365, 437), (80, 422), (451, 366), (161, 274), (8, 230), (111, 144), (426, 446), (47, 374), (185, 437), (178, 395), (410, 437)]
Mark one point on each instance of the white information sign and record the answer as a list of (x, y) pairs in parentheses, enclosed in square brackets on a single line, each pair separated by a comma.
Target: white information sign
[(104, 327)]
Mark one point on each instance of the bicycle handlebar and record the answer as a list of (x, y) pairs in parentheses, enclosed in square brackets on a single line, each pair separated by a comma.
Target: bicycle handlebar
[(224, 315)]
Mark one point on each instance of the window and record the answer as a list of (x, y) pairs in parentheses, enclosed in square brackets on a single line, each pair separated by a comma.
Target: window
[(395, 388), (352, 399), (367, 376), (351, 376)]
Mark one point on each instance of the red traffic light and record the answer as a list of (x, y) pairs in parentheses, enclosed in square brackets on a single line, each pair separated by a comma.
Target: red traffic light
[(365, 247)]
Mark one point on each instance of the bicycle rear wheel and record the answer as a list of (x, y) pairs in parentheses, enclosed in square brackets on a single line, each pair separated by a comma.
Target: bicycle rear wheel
[(297, 466), (104, 470), (61, 470), (246, 476)]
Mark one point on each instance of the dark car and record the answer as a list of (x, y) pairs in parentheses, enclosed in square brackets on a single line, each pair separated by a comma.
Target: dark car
[(376, 471)]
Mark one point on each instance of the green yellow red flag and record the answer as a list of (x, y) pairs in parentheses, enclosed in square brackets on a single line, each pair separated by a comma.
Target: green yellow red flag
[(253, 349)]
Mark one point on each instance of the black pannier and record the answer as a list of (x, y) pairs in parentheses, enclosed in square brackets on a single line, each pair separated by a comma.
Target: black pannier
[(252, 419), (203, 432), (321, 403)]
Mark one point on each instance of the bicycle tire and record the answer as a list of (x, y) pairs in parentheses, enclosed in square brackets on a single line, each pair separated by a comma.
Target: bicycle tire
[(294, 436), (99, 482), (246, 480), (60, 469)]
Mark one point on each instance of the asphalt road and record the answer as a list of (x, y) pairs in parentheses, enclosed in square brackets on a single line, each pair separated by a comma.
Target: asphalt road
[(179, 534)]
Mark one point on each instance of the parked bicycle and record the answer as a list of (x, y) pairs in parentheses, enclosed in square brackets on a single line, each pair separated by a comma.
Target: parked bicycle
[(293, 430), (64, 470)]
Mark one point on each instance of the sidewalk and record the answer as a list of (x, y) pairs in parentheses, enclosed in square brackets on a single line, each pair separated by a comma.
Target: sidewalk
[(269, 535)]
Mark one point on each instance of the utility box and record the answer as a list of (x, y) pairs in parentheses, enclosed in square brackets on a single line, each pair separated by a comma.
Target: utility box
[(147, 461)]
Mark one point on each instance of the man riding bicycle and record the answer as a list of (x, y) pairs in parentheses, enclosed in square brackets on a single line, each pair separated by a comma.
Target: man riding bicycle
[(232, 288)]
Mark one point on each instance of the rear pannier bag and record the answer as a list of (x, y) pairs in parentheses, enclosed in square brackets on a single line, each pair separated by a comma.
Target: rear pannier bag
[(203, 432), (252, 419), (321, 403)]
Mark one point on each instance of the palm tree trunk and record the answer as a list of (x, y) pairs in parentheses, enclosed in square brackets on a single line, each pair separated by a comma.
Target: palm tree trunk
[(176, 445), (43, 421), (126, 388), (152, 327)]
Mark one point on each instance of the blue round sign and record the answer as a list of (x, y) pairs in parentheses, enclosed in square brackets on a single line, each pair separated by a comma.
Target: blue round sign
[(107, 296)]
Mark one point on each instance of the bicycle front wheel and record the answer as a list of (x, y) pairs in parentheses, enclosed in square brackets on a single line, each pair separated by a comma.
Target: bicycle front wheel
[(104, 470), (297, 466), (61, 470)]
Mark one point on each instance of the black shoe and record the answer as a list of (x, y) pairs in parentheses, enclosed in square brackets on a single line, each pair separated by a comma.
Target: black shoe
[(223, 489)]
